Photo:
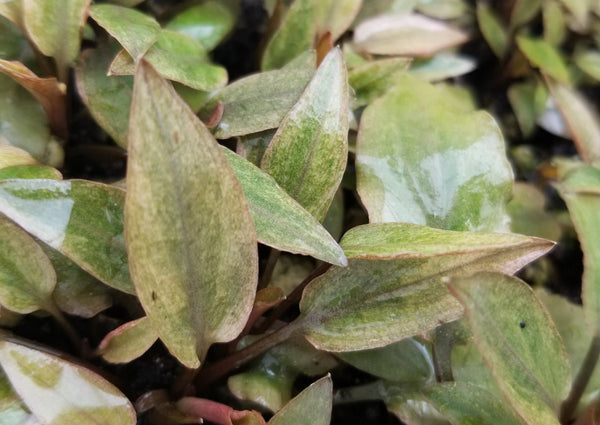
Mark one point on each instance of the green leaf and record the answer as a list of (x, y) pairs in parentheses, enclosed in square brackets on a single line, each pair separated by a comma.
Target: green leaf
[(589, 62), (259, 102), (196, 271), (27, 278), (394, 270), (580, 10), (207, 23), (492, 29), (12, 409), (135, 31), (13, 11), (311, 407), (303, 23), (519, 343), (528, 101), (581, 119), (107, 98), (406, 361), (308, 153), (29, 172), (581, 191), (280, 221), (523, 11), (543, 55), (443, 167), (55, 28), (528, 215), (373, 79), (179, 58), (443, 66), (443, 9), (555, 27), (11, 156), (467, 404), (61, 393), (81, 219), (406, 35), (128, 342)]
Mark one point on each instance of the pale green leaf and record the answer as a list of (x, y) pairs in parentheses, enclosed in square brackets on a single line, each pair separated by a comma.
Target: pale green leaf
[(406, 361), (523, 11), (443, 9), (308, 153), (589, 62), (519, 343), (528, 215), (55, 28), (443, 167), (207, 23), (107, 98), (442, 66), (135, 31), (12, 409), (27, 278), (259, 102), (252, 147), (581, 191), (555, 27), (61, 393), (128, 342), (392, 287), (543, 55), (13, 11), (11, 156), (311, 407), (176, 57), (580, 10), (81, 219), (279, 220), (581, 118), (528, 100), (196, 271), (492, 29), (303, 23), (405, 34), (29, 172), (373, 79)]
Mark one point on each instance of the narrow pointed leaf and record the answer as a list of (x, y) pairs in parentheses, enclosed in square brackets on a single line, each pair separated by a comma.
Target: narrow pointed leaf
[(581, 118), (589, 62), (405, 34), (492, 29), (107, 98), (135, 31), (279, 220), (311, 407), (392, 288), (55, 28), (61, 393), (128, 342), (259, 102), (207, 23), (555, 26), (27, 278), (196, 271), (373, 79), (308, 153), (544, 56), (519, 342), (80, 219), (443, 167), (523, 11), (581, 191)]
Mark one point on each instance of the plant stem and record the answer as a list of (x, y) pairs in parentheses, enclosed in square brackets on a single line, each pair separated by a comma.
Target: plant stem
[(268, 272), (68, 329), (581, 380), (366, 392), (217, 370), (441, 351)]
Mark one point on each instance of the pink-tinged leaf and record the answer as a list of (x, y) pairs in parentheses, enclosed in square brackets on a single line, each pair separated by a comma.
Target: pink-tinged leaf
[(58, 392), (218, 413), (406, 35), (128, 342), (196, 271), (47, 91)]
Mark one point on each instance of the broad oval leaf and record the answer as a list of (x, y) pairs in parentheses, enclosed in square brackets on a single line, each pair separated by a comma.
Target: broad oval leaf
[(442, 66), (81, 219), (544, 56), (27, 277), (519, 343), (128, 342), (196, 271), (311, 407), (55, 28), (107, 98), (392, 286), (11, 156), (308, 153), (405, 34), (442, 167), (581, 191), (279, 220), (373, 79), (29, 172), (135, 31), (582, 120), (207, 23), (61, 393), (259, 102)]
